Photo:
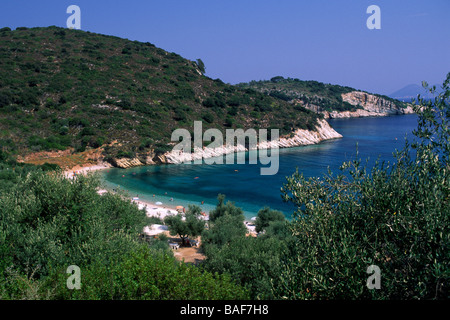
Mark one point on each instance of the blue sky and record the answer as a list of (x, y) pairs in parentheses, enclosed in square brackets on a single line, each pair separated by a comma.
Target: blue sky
[(243, 40)]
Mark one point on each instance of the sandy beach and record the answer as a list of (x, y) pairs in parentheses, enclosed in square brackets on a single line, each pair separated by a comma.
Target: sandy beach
[(86, 169), (153, 210)]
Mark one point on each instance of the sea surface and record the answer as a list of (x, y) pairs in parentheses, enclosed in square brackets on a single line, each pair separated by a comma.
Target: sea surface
[(183, 184)]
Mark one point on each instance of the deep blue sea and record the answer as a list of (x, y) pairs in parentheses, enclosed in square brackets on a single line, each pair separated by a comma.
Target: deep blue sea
[(242, 183)]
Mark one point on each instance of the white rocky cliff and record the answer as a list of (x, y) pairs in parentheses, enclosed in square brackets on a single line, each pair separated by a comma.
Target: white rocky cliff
[(373, 106), (299, 138)]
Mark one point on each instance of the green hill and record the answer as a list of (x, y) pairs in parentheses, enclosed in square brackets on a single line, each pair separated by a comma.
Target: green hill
[(62, 89), (314, 95)]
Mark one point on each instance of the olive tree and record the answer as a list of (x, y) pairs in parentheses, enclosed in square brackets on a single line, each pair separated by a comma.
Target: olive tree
[(266, 216), (189, 225), (394, 215)]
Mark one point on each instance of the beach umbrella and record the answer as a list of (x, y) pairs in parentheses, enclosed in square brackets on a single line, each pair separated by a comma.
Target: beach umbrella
[(179, 207), (158, 203), (253, 219)]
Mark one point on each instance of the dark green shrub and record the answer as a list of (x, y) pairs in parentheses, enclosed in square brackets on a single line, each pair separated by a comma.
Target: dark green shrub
[(191, 226), (124, 154), (146, 274), (394, 216), (266, 216), (229, 122), (280, 95), (208, 117), (87, 131)]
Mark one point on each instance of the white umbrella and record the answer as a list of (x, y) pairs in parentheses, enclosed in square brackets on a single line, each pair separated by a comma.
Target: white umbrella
[(158, 203), (253, 219)]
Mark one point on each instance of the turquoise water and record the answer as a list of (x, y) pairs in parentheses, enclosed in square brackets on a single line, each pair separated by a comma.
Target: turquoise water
[(243, 184)]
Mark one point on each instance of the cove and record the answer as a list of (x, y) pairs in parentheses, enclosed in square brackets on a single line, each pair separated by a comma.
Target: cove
[(188, 183)]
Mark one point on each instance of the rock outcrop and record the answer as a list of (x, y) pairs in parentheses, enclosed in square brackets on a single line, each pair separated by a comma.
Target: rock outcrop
[(125, 163), (300, 137), (373, 106)]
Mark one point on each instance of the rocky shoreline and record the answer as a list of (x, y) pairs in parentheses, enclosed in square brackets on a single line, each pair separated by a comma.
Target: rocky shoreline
[(367, 105), (300, 137), (373, 106)]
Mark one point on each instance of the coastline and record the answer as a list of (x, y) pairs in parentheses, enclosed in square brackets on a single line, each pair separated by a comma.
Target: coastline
[(152, 209), (170, 205), (85, 169), (300, 137), (162, 211)]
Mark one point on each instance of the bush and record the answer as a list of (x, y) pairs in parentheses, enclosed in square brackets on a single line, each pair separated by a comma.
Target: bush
[(216, 101), (266, 216), (201, 66), (60, 33), (253, 262), (161, 148), (146, 274), (223, 209), (191, 226), (223, 231), (208, 117), (229, 122), (87, 131), (277, 79), (124, 154), (5, 99), (280, 95), (395, 216), (48, 220)]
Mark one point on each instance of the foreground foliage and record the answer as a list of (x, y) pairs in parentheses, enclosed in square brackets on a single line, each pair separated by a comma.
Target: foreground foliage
[(147, 275), (191, 226), (395, 216), (253, 262), (48, 223)]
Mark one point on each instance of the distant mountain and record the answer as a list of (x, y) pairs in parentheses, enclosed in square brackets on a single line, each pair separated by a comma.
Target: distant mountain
[(410, 92)]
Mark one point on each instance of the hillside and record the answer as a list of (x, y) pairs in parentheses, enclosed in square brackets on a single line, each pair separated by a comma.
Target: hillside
[(333, 101), (63, 89)]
